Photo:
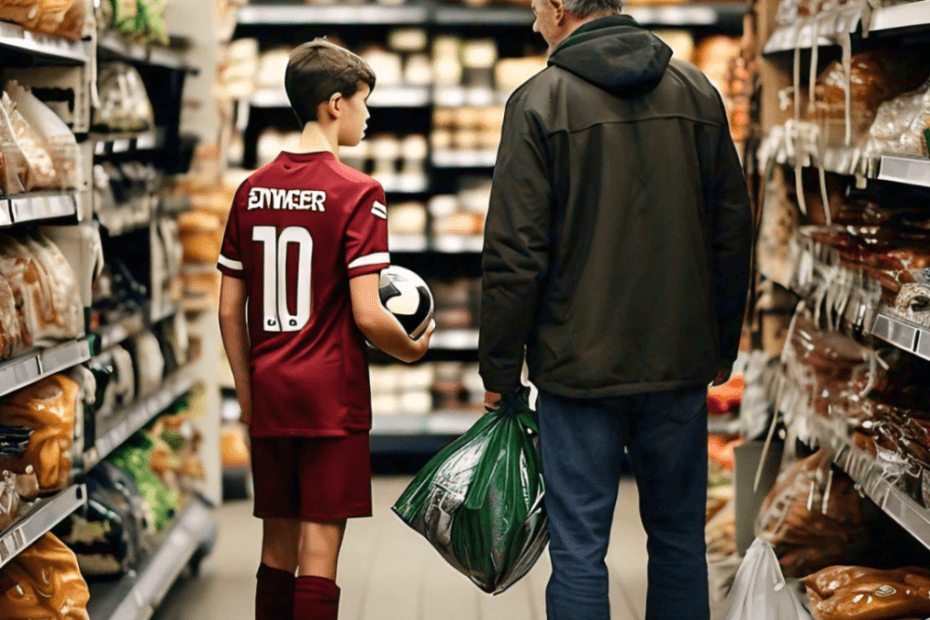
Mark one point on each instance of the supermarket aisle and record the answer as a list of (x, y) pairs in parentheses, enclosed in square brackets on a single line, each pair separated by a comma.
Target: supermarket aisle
[(388, 572)]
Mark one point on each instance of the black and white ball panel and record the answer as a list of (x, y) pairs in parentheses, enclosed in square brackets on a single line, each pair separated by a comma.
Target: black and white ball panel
[(405, 295)]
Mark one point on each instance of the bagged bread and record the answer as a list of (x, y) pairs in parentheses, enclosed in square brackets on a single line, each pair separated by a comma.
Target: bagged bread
[(14, 335), (58, 140), (38, 170), (44, 581), (38, 15), (44, 288), (202, 235), (857, 593), (49, 407)]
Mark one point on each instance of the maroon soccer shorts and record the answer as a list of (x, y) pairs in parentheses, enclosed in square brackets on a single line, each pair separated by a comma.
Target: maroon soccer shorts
[(312, 478)]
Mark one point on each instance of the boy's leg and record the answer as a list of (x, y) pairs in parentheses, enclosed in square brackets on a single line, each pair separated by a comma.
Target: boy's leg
[(274, 593), (274, 470), (316, 595), (335, 485)]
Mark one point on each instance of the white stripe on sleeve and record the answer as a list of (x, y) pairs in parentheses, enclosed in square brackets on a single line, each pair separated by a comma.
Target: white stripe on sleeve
[(230, 263), (372, 259)]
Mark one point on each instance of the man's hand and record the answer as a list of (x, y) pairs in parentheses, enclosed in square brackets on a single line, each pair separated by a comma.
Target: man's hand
[(723, 374), (491, 399)]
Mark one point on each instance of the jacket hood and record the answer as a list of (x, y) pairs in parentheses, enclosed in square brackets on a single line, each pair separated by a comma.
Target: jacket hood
[(615, 54)]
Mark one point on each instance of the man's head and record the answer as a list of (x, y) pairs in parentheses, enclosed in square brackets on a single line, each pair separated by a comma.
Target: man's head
[(327, 82), (556, 19)]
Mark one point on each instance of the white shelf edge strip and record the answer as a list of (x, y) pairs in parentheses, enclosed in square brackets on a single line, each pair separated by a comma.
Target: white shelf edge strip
[(40, 206), (909, 170), (18, 372), (861, 467), (17, 37), (296, 14), (135, 416), (46, 515), (455, 339), (185, 536), (901, 16)]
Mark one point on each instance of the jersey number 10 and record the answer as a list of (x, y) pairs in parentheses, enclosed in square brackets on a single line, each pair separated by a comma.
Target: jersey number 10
[(277, 317)]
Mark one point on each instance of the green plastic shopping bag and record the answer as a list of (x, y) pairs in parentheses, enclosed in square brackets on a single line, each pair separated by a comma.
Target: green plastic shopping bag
[(479, 502)]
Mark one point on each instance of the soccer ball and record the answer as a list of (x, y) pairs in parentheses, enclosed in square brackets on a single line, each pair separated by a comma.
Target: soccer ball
[(405, 295)]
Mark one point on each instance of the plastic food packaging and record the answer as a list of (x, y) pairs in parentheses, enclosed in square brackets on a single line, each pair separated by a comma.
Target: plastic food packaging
[(44, 288), (45, 16), (857, 593), (124, 102), (13, 333), (479, 502), (24, 152), (44, 581), (759, 590), (58, 140), (49, 407)]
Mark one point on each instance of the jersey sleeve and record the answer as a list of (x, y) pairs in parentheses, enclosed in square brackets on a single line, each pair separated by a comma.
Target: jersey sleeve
[(366, 241), (230, 259)]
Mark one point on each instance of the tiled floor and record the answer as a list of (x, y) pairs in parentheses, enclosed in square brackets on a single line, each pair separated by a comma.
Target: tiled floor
[(388, 572)]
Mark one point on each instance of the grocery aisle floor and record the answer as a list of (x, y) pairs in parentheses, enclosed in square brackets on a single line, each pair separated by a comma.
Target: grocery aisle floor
[(388, 572)]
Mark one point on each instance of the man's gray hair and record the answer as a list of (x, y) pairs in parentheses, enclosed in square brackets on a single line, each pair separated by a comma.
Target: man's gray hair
[(584, 8)]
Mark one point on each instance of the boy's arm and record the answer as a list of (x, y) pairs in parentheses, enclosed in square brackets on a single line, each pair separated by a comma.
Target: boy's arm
[(379, 326), (233, 298)]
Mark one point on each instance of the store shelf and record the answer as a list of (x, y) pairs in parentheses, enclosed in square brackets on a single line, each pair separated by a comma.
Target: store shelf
[(408, 243), (116, 143), (125, 423), (461, 158), (45, 514), (869, 477), (404, 184), (458, 244), (719, 14), (911, 15), (908, 170), (382, 97), (902, 333), (454, 96), (135, 596), (18, 372), (885, 20), (484, 16), (37, 206), (112, 46), (111, 335), (15, 38), (297, 15), (443, 422), (455, 339)]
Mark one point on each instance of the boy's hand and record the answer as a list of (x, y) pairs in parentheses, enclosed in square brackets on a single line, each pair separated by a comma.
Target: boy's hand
[(421, 345), (245, 404)]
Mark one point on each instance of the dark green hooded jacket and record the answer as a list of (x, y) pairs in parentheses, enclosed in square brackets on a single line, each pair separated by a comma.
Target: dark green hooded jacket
[(617, 242)]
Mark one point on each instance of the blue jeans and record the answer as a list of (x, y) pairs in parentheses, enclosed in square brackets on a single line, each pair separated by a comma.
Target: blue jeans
[(582, 443)]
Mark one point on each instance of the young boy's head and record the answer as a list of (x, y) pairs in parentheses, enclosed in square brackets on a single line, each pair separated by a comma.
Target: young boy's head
[(320, 72)]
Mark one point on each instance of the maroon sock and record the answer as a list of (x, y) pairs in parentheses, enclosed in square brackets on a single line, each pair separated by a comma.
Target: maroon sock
[(316, 598), (274, 594)]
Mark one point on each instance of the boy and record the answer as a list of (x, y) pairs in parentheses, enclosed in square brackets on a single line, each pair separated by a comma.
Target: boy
[(305, 242)]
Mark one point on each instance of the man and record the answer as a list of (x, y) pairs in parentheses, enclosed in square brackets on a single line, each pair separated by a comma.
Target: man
[(617, 253)]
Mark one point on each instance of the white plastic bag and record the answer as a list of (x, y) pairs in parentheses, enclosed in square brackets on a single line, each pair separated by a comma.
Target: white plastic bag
[(760, 592)]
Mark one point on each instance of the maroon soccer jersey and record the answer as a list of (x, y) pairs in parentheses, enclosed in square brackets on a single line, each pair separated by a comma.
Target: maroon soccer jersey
[(298, 230)]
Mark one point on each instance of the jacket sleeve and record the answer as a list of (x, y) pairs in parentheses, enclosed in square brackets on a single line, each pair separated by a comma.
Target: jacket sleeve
[(516, 248), (730, 213)]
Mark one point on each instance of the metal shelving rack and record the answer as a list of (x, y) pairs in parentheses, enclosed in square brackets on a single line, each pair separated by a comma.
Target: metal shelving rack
[(53, 62)]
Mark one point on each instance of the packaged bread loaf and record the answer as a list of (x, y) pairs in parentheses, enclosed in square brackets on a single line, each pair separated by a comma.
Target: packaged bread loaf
[(58, 140), (44, 581), (39, 170), (857, 593), (202, 234), (49, 407), (14, 335), (37, 15)]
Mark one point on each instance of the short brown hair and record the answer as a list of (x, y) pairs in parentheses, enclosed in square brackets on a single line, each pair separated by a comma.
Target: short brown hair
[(319, 69)]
